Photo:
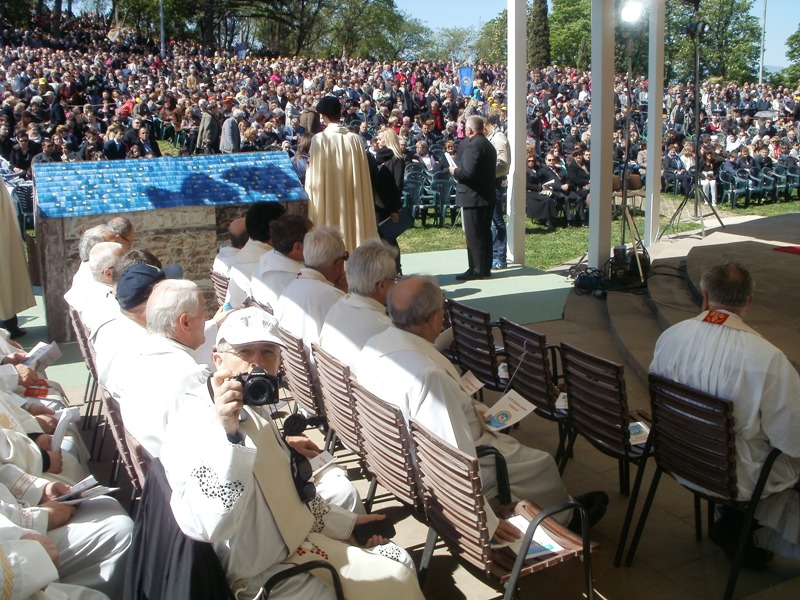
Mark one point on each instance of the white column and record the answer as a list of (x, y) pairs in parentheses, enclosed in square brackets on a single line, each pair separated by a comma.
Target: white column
[(517, 127), (655, 120), (601, 168)]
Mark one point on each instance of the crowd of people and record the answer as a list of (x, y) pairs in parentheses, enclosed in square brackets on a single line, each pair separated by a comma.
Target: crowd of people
[(86, 97), (352, 127)]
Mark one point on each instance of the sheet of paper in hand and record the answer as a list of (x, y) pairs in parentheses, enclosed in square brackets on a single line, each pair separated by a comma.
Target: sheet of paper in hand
[(508, 410)]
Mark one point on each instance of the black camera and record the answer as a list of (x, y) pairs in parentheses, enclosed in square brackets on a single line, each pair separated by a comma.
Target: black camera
[(260, 387)]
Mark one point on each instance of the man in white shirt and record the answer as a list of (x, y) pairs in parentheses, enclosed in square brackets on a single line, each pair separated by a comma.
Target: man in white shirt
[(165, 367), (237, 232), (402, 366), (717, 353), (371, 272), (117, 341), (246, 260), (89, 540), (304, 303), (31, 559), (280, 266), (94, 300), (235, 488)]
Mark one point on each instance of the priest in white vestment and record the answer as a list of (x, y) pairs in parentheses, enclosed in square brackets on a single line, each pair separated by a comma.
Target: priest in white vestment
[(717, 353), (402, 366), (16, 294), (371, 272), (164, 367), (91, 539), (235, 489), (280, 266), (31, 572), (338, 181), (246, 260), (305, 302)]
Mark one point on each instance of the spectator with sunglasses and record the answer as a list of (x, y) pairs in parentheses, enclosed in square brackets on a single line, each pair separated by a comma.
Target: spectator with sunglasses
[(241, 489)]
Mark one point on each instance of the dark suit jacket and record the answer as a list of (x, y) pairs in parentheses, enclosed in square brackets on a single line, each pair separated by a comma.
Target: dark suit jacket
[(475, 173), (114, 152), (552, 180), (576, 176)]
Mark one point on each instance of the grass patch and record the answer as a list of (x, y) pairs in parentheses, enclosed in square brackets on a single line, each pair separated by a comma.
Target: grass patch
[(167, 149), (545, 250)]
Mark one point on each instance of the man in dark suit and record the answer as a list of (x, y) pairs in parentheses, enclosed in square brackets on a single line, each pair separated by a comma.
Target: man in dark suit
[(578, 179), (57, 116), (555, 180), (475, 175)]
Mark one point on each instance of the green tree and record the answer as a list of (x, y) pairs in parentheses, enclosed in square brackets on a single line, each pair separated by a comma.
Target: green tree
[(538, 35), (454, 43), (571, 32), (409, 39), (792, 72), (492, 43), (729, 50), (361, 27)]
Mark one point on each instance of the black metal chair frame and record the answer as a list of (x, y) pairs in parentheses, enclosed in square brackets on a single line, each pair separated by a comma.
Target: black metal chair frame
[(707, 442)]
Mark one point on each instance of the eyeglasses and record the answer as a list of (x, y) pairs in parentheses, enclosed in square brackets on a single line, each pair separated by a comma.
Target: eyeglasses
[(345, 256), (249, 353)]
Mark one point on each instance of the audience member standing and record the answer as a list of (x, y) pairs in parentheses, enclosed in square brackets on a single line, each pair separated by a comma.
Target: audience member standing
[(503, 149), (475, 195)]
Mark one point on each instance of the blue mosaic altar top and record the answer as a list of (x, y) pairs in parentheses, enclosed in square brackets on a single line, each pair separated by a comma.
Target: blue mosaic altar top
[(118, 186)]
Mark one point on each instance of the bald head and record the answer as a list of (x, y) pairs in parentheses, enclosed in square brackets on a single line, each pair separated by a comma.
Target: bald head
[(413, 303), (728, 286), (237, 231)]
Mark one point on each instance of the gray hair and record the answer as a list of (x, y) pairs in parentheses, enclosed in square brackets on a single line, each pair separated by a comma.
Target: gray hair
[(322, 246), (429, 299), (168, 301), (370, 263), (104, 255), (121, 226), (90, 237), (728, 284), (238, 113), (476, 123)]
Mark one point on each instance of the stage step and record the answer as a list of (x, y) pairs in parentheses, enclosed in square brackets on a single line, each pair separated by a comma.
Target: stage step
[(635, 329)]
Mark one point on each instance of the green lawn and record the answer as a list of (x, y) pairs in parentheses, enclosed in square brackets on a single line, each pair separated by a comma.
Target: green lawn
[(545, 250)]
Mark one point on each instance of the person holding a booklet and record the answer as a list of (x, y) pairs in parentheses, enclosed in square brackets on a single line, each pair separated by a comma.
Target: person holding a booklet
[(717, 353), (401, 365), (252, 493)]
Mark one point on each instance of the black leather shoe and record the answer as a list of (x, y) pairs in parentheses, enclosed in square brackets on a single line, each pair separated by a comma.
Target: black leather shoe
[(17, 333), (595, 504), (468, 275), (726, 536)]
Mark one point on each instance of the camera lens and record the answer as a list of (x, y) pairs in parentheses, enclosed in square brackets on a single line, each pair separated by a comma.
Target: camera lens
[(260, 388)]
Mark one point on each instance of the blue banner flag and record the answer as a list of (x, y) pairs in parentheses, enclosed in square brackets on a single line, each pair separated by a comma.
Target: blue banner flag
[(465, 79)]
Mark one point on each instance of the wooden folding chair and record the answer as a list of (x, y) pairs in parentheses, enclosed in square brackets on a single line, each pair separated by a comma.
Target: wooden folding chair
[(473, 345), (598, 410), (130, 453), (388, 447), (533, 374), (454, 507), (693, 441), (220, 286), (303, 385), (334, 382), (85, 347)]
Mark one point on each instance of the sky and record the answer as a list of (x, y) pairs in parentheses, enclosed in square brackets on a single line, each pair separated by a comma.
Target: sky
[(783, 19)]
